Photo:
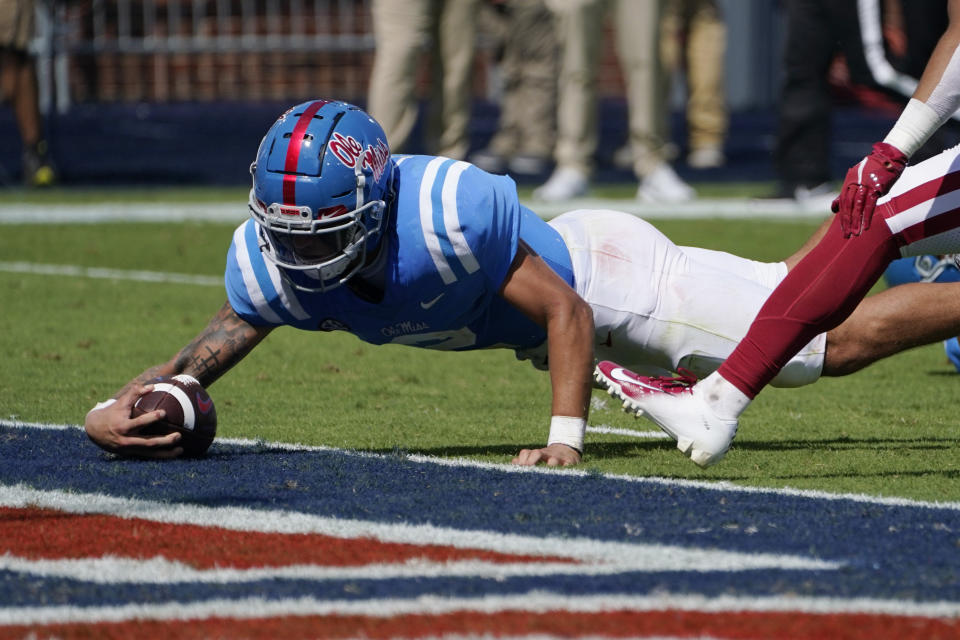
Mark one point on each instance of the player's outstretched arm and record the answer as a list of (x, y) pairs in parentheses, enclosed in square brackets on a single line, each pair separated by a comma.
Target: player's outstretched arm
[(222, 344), (545, 298)]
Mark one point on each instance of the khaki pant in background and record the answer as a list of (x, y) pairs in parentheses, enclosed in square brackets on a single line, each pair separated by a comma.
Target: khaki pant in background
[(528, 111), (402, 30), (694, 38), (636, 24), (16, 24)]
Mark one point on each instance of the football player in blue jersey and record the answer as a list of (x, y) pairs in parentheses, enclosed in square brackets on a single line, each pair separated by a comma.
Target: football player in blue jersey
[(432, 252)]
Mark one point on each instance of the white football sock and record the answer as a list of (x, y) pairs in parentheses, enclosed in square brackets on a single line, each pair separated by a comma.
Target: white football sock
[(723, 398)]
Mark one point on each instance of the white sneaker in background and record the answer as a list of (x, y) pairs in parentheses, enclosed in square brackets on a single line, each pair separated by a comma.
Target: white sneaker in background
[(706, 158), (818, 198), (622, 157), (488, 161), (526, 164), (664, 185), (565, 183)]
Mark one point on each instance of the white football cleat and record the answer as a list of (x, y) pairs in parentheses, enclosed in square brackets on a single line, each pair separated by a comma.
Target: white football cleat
[(672, 404), (664, 185)]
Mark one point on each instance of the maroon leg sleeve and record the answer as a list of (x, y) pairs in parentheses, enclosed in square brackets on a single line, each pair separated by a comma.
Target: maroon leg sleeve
[(816, 296)]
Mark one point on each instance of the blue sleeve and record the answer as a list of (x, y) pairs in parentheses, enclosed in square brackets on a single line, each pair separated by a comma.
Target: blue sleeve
[(547, 243), (238, 294), (490, 218)]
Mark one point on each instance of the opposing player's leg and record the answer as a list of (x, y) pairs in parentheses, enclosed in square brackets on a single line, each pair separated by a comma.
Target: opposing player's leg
[(922, 215)]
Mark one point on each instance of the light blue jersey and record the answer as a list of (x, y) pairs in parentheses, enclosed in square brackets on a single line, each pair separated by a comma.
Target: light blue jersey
[(452, 237)]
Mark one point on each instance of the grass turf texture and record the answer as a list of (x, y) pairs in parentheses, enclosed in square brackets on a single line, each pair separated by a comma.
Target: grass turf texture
[(67, 342)]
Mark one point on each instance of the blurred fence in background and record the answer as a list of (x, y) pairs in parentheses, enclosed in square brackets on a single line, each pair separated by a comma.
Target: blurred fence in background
[(180, 91), (201, 50), (210, 50)]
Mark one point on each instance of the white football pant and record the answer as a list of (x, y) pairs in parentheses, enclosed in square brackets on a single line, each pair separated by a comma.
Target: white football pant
[(658, 306)]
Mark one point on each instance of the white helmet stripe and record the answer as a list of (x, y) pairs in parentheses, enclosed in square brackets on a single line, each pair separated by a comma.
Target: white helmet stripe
[(426, 221), (250, 278), (451, 218), (189, 417)]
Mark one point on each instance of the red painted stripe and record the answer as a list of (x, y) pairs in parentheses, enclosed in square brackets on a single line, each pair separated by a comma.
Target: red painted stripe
[(614, 624), (50, 534), (923, 192), (293, 151)]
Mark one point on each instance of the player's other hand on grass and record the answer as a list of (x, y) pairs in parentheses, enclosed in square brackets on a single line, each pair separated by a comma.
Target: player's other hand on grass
[(555, 455), (865, 182), (112, 428)]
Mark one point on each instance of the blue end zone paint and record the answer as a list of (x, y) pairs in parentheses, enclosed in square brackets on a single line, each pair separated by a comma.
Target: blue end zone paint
[(889, 551)]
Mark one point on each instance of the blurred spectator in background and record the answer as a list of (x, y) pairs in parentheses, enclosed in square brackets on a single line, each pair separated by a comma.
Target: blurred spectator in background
[(18, 85), (401, 29), (694, 40), (580, 31), (526, 53), (884, 45)]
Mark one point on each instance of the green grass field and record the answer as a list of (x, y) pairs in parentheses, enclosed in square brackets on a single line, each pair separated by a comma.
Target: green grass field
[(67, 342)]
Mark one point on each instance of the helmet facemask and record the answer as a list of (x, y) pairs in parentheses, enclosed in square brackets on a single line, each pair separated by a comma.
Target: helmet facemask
[(328, 246), (322, 179)]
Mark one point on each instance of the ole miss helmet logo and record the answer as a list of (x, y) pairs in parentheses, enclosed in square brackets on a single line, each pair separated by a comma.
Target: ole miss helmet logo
[(351, 153)]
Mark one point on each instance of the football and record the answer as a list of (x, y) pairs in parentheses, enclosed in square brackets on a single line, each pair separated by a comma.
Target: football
[(189, 410)]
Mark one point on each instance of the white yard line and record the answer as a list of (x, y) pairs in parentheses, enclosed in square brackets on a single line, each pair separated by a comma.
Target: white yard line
[(536, 601), (727, 208), (73, 270)]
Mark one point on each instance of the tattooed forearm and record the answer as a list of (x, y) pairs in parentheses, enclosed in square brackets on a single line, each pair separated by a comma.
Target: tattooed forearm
[(207, 362), (224, 342)]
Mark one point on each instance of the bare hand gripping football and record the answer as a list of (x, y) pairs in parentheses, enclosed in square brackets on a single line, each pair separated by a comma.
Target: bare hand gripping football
[(188, 410)]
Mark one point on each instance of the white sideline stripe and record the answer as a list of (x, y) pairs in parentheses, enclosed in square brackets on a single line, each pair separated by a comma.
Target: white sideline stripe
[(159, 570), (604, 556), (35, 268), (617, 431), (721, 485), (541, 601), (125, 212), (726, 208)]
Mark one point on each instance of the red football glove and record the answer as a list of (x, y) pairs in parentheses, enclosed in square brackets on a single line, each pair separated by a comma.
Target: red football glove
[(866, 181)]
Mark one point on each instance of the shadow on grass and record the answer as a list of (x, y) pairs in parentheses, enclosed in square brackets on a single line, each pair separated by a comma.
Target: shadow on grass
[(596, 450), (950, 474), (633, 447), (844, 443)]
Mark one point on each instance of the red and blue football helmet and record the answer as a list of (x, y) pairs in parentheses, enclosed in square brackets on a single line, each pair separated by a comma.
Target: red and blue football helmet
[(322, 186)]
